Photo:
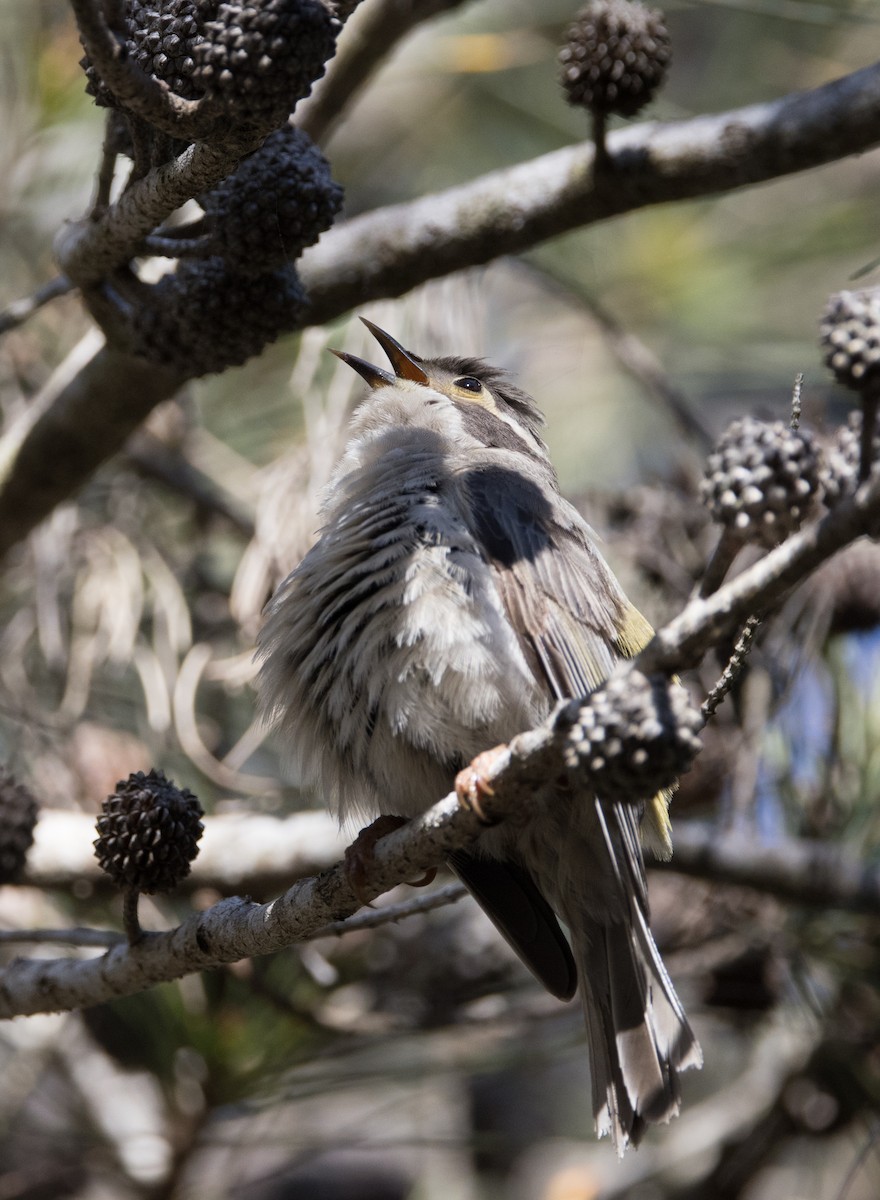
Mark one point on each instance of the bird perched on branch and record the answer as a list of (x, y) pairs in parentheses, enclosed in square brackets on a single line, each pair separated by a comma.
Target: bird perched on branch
[(452, 599)]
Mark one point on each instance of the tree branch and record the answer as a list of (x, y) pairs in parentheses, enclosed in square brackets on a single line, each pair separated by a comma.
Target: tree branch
[(385, 253), (390, 251), (816, 874)]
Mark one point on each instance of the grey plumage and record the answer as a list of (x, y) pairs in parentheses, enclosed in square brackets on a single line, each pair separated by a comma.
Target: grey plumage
[(452, 598)]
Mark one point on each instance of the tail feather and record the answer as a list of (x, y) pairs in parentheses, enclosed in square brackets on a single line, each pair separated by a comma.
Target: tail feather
[(639, 1037)]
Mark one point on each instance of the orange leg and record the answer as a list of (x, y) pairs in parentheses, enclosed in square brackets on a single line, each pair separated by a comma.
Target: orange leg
[(471, 785)]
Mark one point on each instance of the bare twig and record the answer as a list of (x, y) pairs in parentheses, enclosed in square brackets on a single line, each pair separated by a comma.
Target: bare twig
[(18, 311), (172, 468), (643, 365), (730, 542), (870, 400), (796, 400), (130, 921), (373, 918), (733, 670)]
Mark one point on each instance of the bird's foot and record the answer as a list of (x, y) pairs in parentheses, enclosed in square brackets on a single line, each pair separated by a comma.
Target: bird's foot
[(471, 784), (359, 855)]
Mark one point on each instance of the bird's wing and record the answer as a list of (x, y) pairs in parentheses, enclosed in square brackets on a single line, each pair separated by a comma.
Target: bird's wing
[(571, 615), (569, 611), (513, 902)]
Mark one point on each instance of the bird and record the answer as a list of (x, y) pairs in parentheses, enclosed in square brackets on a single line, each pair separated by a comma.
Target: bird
[(452, 599)]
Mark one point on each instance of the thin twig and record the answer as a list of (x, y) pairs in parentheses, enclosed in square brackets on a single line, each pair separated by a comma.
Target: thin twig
[(18, 311), (390, 913), (78, 936), (729, 545), (601, 158), (172, 468), (866, 441), (735, 666), (643, 365), (796, 401), (130, 920)]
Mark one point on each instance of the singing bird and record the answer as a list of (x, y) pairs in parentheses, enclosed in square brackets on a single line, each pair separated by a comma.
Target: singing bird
[(452, 598)]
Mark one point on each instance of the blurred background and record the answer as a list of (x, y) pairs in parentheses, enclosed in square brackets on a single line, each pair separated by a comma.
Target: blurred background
[(418, 1061)]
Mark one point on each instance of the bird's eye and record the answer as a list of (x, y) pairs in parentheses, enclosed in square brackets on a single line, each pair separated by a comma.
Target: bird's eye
[(469, 383)]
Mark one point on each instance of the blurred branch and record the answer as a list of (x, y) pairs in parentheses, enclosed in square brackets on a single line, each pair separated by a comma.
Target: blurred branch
[(385, 253), (249, 851), (817, 874), (643, 365), (19, 311), (367, 44), (75, 424), (261, 854), (62, 937), (157, 461)]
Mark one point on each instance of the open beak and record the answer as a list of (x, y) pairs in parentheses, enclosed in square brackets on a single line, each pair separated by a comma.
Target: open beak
[(374, 376), (405, 365)]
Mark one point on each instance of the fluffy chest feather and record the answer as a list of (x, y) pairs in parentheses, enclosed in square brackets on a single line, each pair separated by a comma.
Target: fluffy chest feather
[(387, 652)]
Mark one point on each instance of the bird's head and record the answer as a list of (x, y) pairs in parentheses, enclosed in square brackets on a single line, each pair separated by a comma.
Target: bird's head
[(488, 403)]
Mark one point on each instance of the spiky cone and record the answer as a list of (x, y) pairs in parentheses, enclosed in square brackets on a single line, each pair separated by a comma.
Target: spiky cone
[(148, 835), (259, 57), (850, 334), (18, 817), (762, 480), (842, 458), (160, 38), (279, 200), (634, 735), (615, 58), (205, 316)]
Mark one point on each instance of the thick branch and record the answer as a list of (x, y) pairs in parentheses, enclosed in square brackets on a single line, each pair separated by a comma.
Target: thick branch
[(88, 251), (386, 253), (69, 430)]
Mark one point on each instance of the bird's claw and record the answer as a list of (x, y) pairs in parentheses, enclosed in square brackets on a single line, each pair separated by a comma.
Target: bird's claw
[(359, 855), (471, 784)]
